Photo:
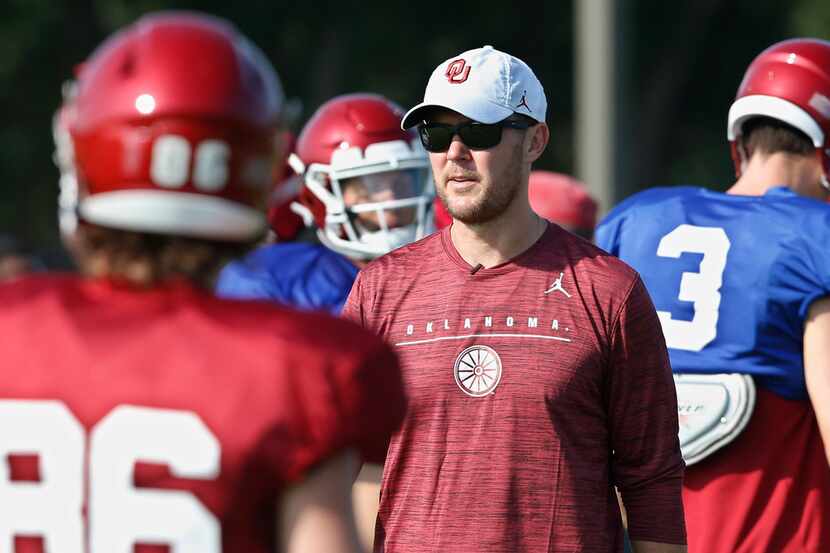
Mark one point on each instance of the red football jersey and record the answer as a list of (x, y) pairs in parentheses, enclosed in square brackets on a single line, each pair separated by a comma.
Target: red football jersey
[(535, 386), (168, 417), (776, 463)]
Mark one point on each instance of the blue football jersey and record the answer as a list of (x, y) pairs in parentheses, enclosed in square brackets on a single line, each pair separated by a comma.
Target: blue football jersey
[(732, 277), (303, 275)]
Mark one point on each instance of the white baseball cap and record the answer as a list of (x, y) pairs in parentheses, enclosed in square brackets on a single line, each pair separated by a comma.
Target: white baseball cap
[(485, 85)]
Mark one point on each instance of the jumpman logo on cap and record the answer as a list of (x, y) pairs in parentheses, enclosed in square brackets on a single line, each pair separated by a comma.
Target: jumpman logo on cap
[(524, 102)]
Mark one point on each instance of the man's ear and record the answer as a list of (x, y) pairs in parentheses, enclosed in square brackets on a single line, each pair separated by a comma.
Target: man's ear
[(743, 155), (539, 138)]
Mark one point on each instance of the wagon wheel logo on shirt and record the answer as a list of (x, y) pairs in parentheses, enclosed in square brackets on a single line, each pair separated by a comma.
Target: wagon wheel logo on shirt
[(477, 370)]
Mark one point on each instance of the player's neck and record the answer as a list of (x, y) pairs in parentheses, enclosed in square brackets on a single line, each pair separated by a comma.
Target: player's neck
[(799, 173), (501, 239)]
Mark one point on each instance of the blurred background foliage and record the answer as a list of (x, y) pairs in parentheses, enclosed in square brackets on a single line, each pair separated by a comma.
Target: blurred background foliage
[(681, 63)]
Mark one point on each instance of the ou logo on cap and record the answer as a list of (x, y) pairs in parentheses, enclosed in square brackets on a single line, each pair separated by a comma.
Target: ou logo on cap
[(477, 370), (457, 71)]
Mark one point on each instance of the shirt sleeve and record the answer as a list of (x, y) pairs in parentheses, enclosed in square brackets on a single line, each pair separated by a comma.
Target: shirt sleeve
[(353, 309), (647, 465), (809, 265)]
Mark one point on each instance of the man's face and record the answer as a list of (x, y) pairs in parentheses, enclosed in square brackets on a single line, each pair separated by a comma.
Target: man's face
[(477, 186), (382, 187)]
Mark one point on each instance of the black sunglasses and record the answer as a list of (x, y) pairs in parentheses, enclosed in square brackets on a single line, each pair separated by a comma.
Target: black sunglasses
[(437, 137)]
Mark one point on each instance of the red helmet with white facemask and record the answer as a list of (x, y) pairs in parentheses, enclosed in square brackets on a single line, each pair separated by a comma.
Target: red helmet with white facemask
[(789, 82), (171, 128), (367, 183), (284, 222)]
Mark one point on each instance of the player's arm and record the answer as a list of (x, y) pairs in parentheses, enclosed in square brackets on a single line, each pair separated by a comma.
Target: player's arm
[(315, 516), (365, 497), (817, 365)]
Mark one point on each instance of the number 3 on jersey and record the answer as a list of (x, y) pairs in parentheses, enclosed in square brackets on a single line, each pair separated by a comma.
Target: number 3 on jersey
[(701, 288), (119, 514)]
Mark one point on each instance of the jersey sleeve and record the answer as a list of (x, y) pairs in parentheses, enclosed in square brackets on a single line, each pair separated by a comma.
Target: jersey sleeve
[(607, 233), (325, 281), (647, 465), (378, 404), (811, 263), (345, 393), (305, 276), (353, 308), (238, 281)]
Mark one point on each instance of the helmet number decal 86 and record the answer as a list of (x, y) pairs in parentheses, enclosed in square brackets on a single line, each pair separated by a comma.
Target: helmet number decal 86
[(119, 514), (170, 165)]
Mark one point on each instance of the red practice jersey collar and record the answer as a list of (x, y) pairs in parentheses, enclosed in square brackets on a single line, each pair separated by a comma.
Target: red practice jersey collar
[(512, 264)]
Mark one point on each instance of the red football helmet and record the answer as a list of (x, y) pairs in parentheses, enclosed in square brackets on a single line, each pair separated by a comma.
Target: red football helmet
[(171, 128), (367, 183), (284, 222), (64, 159), (441, 216), (790, 82), (563, 200)]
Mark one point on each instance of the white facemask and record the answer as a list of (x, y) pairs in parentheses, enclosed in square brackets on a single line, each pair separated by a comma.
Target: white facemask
[(390, 239)]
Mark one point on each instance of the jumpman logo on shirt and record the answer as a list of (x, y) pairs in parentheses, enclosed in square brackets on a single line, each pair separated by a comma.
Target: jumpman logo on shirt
[(523, 102), (557, 286)]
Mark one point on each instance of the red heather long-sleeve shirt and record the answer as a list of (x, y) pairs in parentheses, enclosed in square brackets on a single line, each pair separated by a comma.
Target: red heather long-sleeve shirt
[(534, 387)]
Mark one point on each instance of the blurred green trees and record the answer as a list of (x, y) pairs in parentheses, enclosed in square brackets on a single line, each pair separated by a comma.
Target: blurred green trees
[(683, 64)]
